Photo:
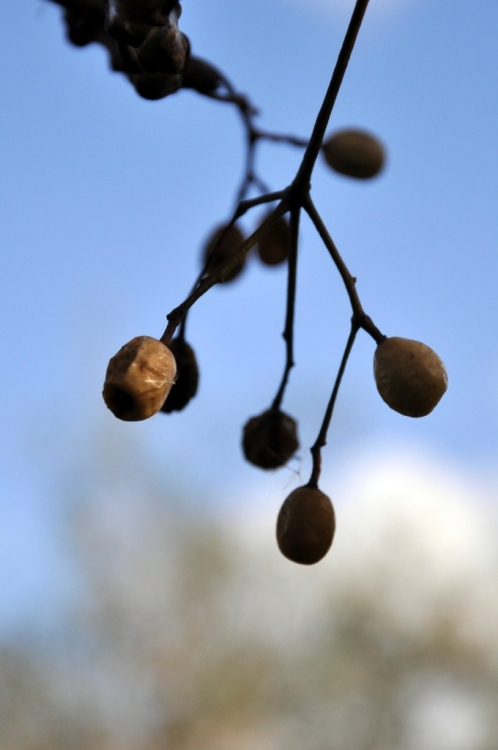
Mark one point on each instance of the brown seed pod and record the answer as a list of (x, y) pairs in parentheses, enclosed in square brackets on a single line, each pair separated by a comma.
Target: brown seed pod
[(155, 86), (85, 22), (410, 376), (354, 153), (187, 379), (126, 32), (270, 439), (147, 11), (274, 246), (139, 378), (217, 251), (306, 525), (165, 50)]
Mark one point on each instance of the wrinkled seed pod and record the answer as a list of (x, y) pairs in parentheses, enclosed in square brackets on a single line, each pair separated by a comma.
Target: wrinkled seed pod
[(165, 50), (215, 254), (354, 153), (306, 526), (187, 379), (126, 32), (409, 375), (155, 86), (274, 246), (270, 439), (139, 378), (85, 24), (125, 60), (140, 10)]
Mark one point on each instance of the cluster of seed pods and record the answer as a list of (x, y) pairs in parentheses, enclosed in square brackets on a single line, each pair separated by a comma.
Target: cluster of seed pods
[(149, 375), (410, 376), (144, 43)]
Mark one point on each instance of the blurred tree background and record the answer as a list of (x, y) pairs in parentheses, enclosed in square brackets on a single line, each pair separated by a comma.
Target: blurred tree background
[(190, 630)]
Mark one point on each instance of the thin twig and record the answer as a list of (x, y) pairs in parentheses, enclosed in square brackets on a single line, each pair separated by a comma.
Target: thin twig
[(321, 440), (175, 316), (291, 140), (364, 321), (241, 209), (288, 333), (313, 149)]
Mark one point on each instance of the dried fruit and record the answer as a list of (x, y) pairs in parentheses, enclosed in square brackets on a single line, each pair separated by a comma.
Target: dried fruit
[(126, 32), (409, 375), (155, 85), (354, 153), (274, 246), (216, 250), (165, 50), (148, 11), (306, 525), (270, 439), (187, 379), (85, 22), (139, 378)]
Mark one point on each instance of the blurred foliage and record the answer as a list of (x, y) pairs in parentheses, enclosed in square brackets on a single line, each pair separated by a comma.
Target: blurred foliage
[(192, 632)]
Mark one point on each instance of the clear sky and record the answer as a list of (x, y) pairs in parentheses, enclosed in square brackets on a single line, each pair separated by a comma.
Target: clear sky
[(106, 200)]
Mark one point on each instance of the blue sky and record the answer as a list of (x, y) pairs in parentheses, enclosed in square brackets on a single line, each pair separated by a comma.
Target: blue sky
[(106, 200)]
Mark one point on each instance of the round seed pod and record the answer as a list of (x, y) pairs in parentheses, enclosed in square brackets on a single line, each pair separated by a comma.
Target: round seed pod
[(155, 86), (139, 378), (124, 59), (306, 525), (354, 153), (138, 10), (217, 250), (165, 50), (126, 32), (274, 246), (85, 22), (270, 439), (410, 376), (187, 379)]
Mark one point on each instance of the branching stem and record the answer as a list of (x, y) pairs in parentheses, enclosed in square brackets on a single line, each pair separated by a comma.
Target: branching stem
[(313, 149), (294, 198), (364, 321), (176, 316)]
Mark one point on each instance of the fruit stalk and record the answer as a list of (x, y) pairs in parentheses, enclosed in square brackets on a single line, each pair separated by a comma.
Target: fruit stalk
[(288, 333), (321, 441)]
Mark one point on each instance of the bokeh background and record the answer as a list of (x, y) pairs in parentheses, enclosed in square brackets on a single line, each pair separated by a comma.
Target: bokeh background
[(144, 603)]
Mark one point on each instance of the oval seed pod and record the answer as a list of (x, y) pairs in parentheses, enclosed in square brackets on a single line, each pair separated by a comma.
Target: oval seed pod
[(187, 379), (165, 50), (274, 246), (137, 10), (270, 439), (84, 24), (216, 250), (155, 86), (306, 525), (354, 153), (139, 378), (124, 59), (410, 376), (126, 32)]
